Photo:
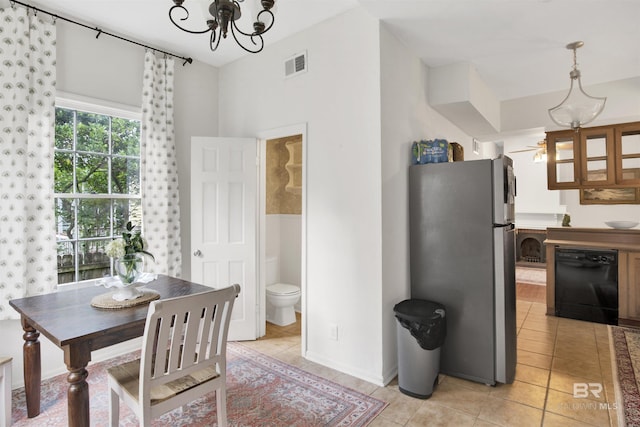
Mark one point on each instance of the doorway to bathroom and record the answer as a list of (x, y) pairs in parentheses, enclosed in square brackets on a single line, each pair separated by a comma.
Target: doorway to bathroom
[(282, 222)]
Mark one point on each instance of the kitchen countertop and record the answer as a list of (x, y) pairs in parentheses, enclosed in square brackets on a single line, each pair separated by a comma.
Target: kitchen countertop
[(596, 229), (613, 238)]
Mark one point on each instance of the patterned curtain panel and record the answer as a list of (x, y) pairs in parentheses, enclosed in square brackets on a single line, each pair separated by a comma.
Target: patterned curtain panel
[(27, 115), (160, 207)]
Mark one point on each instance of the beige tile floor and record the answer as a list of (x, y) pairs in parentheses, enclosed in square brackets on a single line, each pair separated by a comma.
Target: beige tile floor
[(553, 354)]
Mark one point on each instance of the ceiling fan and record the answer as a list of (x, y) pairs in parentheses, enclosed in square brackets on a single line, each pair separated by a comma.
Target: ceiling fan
[(541, 149), (540, 146)]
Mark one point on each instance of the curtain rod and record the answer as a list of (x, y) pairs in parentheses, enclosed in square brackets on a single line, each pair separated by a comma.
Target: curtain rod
[(101, 31)]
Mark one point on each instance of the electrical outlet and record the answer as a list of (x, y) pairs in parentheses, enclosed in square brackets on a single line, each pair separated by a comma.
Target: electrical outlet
[(333, 331)]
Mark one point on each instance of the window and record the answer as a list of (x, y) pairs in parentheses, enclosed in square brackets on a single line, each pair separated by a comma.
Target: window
[(97, 185)]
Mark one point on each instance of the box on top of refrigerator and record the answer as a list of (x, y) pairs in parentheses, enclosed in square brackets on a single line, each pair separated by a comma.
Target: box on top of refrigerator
[(432, 151)]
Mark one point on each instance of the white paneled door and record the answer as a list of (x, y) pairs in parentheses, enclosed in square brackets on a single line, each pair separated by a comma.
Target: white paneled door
[(224, 223)]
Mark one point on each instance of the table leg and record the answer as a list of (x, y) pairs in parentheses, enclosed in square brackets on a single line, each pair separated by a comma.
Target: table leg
[(77, 358), (32, 368)]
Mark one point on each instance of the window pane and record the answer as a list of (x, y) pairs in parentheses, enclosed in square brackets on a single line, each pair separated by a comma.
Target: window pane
[(125, 211), (65, 219), (95, 155), (64, 129), (94, 262), (92, 173), (92, 132), (63, 172), (125, 136), (94, 218), (66, 260), (125, 176)]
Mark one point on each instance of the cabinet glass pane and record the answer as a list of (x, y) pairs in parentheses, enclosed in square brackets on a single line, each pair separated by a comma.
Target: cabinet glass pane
[(564, 172), (596, 154), (564, 160), (630, 151)]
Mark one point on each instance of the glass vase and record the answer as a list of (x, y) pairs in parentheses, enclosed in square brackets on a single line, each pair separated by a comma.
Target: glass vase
[(129, 267)]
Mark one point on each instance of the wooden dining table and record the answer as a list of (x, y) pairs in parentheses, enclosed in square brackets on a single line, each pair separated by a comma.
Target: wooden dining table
[(68, 319)]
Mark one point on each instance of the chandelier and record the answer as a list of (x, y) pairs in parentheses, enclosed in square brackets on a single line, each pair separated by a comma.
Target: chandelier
[(223, 15), (577, 108)]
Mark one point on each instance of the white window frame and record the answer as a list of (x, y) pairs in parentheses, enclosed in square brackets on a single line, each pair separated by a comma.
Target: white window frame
[(96, 106)]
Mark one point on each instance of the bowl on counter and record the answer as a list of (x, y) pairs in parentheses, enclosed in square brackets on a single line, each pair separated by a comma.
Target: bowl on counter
[(621, 224)]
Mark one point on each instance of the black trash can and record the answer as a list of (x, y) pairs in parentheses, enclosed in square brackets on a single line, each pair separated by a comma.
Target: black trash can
[(421, 333)]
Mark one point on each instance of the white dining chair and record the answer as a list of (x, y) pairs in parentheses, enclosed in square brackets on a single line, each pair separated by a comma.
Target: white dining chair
[(5, 391), (183, 357)]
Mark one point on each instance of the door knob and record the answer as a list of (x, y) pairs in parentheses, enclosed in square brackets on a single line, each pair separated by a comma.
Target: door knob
[(197, 253)]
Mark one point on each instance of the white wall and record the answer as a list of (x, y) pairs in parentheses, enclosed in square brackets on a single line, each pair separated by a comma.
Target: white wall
[(339, 99), (596, 215), (290, 248), (623, 105), (405, 117), (111, 70), (284, 240), (195, 114), (272, 235)]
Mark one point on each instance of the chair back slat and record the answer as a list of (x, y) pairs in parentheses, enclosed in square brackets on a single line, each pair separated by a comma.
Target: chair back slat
[(204, 332), (184, 335), (220, 331)]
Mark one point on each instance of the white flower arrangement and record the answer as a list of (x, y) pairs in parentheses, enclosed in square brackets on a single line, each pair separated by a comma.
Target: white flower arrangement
[(130, 243), (115, 248)]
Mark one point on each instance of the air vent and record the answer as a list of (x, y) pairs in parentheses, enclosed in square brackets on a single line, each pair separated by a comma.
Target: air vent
[(295, 65)]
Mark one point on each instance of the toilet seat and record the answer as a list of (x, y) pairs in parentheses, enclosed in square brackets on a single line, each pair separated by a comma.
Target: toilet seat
[(282, 289)]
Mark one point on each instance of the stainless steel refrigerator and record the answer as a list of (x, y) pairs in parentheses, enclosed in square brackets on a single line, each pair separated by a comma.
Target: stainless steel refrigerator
[(463, 256)]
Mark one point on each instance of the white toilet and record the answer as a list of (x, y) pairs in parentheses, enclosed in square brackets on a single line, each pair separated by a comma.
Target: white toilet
[(281, 297)]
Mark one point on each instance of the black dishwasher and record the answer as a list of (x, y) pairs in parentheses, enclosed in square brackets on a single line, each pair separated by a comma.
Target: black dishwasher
[(587, 284)]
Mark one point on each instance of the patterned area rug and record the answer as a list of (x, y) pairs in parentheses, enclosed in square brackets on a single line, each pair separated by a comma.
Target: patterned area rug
[(533, 276), (625, 354), (261, 391)]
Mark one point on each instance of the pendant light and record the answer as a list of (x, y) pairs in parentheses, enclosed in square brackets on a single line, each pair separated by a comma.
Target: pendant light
[(577, 108)]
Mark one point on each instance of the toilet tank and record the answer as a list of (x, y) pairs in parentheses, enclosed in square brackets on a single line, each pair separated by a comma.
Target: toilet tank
[(273, 270)]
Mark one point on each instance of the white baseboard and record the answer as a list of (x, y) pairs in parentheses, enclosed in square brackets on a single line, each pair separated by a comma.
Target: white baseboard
[(349, 370)]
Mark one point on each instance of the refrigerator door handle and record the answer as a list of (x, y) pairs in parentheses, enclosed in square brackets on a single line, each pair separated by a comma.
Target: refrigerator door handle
[(505, 226), (505, 302)]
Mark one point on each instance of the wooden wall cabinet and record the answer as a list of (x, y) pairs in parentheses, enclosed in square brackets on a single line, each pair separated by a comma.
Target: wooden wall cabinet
[(627, 159), (598, 157), (563, 156)]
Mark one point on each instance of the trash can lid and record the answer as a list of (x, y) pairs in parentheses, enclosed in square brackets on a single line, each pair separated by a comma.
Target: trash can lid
[(419, 310)]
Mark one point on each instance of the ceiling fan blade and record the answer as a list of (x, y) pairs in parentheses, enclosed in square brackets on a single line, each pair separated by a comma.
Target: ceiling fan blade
[(522, 151)]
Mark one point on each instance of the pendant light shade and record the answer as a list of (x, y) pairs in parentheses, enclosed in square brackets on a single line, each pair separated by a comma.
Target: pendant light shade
[(577, 108)]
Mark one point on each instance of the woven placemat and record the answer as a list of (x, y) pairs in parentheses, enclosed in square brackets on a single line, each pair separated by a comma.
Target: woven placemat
[(107, 301)]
